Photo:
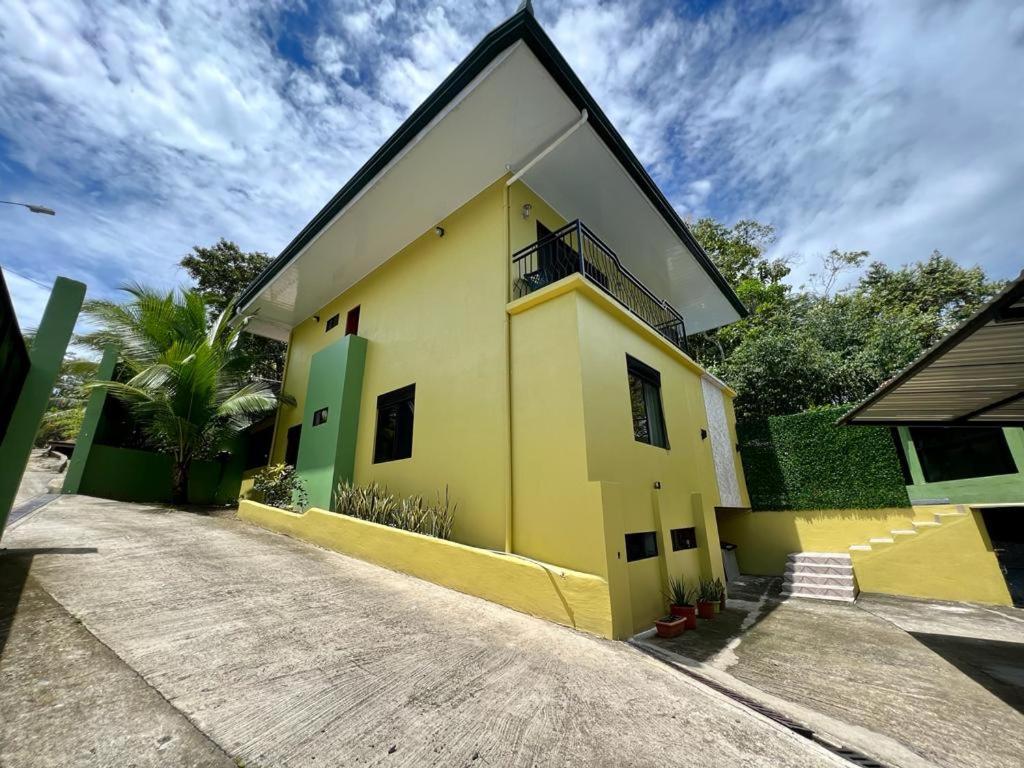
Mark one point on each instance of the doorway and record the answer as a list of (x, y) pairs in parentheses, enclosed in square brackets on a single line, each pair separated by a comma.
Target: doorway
[(1005, 526)]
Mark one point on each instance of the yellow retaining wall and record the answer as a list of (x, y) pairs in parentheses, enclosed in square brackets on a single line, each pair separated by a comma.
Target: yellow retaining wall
[(578, 600), (764, 539), (953, 561)]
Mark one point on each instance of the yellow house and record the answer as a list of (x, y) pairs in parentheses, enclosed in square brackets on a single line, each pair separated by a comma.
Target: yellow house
[(498, 304)]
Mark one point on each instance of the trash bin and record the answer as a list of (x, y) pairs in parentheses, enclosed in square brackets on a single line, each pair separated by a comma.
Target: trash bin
[(732, 568)]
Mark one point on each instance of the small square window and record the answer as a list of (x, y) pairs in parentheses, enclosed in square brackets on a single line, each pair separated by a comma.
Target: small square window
[(645, 400), (352, 322), (640, 546), (683, 538), (395, 412), (332, 322), (319, 417)]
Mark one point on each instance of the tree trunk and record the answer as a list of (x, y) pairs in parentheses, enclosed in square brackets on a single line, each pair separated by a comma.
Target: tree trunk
[(179, 482)]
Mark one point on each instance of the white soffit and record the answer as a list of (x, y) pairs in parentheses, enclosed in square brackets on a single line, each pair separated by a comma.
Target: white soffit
[(508, 114)]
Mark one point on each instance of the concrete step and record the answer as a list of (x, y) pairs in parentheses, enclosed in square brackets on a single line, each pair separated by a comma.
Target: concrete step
[(818, 579), (840, 594), (819, 558), (941, 516), (860, 547), (815, 568), (897, 534), (881, 540)]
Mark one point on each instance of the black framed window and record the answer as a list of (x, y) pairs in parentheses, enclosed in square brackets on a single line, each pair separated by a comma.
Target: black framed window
[(257, 447), (957, 453), (319, 417), (640, 546), (645, 399), (395, 411), (291, 451), (683, 538), (332, 322), (352, 321)]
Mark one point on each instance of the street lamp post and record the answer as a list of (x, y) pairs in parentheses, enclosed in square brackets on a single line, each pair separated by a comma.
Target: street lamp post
[(33, 208)]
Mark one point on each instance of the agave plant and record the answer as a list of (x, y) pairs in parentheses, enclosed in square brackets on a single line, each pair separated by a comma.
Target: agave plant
[(678, 594), (375, 504), (186, 382)]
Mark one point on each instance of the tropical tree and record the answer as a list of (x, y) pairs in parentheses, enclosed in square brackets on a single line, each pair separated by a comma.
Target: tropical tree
[(185, 379)]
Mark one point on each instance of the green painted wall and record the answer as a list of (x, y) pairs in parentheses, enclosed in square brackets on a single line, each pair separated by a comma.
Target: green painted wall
[(45, 357), (997, 489), (327, 451), (90, 424), (128, 474)]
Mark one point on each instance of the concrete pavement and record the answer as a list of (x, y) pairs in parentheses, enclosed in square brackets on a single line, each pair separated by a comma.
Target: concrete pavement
[(283, 654)]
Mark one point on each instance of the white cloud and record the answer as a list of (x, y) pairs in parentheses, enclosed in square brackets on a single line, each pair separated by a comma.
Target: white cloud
[(887, 126)]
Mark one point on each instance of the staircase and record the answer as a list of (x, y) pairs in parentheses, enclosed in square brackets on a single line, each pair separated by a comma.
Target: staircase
[(820, 575), (927, 517)]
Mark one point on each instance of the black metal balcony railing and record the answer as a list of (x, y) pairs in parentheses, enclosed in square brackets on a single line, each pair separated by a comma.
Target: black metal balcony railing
[(575, 249)]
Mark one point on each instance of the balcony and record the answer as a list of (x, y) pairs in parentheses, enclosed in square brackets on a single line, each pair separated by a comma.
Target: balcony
[(574, 249)]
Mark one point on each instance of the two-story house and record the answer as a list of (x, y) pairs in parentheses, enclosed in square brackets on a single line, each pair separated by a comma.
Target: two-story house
[(498, 303)]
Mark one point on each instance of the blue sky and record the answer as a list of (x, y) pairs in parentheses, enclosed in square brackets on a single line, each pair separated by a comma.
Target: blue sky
[(888, 126)]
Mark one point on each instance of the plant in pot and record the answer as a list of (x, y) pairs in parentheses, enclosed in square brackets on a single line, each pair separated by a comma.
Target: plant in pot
[(706, 598), (670, 626), (681, 601)]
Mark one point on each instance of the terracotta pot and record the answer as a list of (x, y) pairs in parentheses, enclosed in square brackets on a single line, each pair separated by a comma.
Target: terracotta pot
[(688, 612), (673, 628), (705, 610)]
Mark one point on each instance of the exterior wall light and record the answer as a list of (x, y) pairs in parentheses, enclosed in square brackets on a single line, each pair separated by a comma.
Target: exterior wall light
[(439, 231), (527, 207)]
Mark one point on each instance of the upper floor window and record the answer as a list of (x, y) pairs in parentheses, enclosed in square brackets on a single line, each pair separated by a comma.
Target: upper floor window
[(352, 321), (645, 399), (395, 411)]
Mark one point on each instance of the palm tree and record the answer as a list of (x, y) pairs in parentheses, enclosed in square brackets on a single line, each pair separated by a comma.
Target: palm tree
[(185, 381)]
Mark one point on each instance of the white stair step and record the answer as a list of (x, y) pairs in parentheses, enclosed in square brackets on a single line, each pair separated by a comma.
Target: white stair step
[(940, 516), (819, 558), (844, 567), (881, 540), (860, 547), (926, 524), (839, 595), (903, 533), (819, 579)]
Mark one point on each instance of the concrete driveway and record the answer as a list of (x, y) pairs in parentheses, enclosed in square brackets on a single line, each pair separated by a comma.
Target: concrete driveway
[(911, 682), (194, 640)]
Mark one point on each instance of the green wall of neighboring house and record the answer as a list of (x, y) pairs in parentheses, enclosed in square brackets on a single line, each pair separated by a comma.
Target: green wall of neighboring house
[(995, 489)]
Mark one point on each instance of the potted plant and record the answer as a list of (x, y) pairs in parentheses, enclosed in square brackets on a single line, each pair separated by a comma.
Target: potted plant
[(721, 594), (670, 626), (681, 601), (706, 599)]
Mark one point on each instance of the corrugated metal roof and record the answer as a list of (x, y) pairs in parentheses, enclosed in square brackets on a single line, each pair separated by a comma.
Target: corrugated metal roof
[(973, 376)]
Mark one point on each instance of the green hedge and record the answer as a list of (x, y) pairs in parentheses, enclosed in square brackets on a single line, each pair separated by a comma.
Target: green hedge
[(804, 461)]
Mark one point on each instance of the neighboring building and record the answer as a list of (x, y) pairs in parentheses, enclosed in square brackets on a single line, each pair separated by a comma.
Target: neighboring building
[(959, 411), (498, 304)]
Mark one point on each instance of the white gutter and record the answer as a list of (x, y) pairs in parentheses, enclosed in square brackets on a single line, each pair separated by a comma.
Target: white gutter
[(549, 148)]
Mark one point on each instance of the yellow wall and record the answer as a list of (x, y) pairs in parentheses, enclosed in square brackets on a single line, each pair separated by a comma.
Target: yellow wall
[(764, 539), (575, 599), (434, 317), (953, 561)]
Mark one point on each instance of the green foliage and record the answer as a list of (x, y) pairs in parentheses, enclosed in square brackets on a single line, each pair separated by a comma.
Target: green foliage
[(678, 594), (221, 272), (60, 426), (707, 591), (374, 504), (279, 486), (804, 461), (187, 383)]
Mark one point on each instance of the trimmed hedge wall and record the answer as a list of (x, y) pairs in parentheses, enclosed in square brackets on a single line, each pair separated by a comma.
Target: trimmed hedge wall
[(804, 461)]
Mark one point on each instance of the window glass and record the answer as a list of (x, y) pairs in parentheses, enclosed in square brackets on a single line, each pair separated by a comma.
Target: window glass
[(640, 546), (956, 453), (645, 401), (395, 411), (683, 538), (332, 322)]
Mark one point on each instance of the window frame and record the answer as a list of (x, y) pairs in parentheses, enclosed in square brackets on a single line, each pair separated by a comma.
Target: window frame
[(632, 556), (396, 451), (649, 381)]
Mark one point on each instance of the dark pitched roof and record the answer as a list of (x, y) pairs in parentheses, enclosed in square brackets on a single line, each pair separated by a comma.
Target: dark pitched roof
[(521, 26)]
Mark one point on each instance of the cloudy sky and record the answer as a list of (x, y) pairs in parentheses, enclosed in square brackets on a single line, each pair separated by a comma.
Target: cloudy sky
[(896, 127)]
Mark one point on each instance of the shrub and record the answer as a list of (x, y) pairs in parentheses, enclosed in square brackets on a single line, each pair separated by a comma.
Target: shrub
[(804, 461), (374, 504), (279, 486)]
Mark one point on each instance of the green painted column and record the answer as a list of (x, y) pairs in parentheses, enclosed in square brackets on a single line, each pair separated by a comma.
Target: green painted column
[(45, 358), (327, 451), (90, 424), (910, 452)]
